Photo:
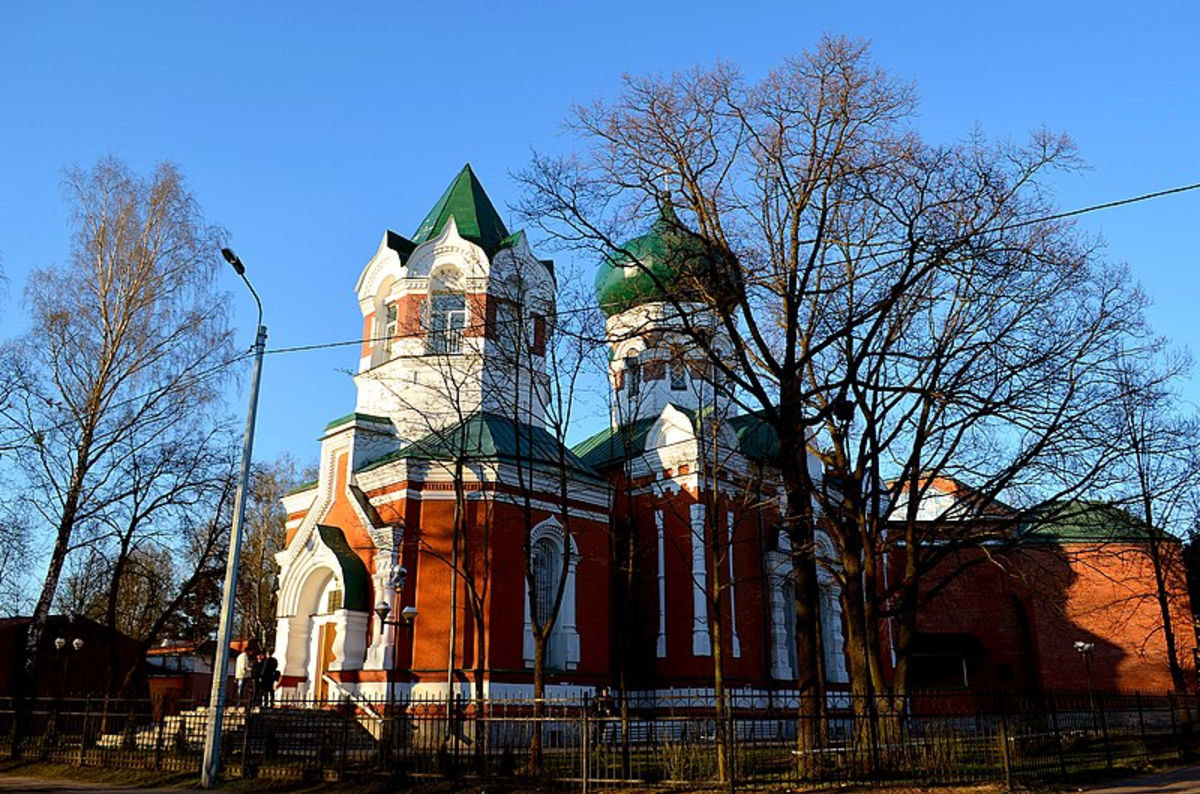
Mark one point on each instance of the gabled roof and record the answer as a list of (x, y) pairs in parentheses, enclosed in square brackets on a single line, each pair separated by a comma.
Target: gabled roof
[(474, 215), (488, 437)]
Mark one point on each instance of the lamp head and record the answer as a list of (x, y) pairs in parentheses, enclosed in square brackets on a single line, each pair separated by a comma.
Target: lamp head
[(77, 643), (383, 610), (1084, 647), (409, 614), (401, 577), (843, 410), (60, 643), (233, 260)]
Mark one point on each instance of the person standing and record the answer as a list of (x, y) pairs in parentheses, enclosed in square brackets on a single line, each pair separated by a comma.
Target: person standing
[(241, 674), (267, 677)]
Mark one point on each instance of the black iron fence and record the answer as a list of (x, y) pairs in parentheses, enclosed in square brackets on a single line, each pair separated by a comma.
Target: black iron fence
[(756, 739)]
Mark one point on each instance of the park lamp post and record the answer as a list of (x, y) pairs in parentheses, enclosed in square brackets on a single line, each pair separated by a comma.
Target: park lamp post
[(211, 769), (407, 615), (1085, 650), (65, 671)]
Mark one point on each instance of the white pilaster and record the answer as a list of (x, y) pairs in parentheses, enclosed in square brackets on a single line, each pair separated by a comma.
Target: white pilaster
[(350, 639), (661, 644), (737, 645), (381, 654), (701, 642), (569, 629)]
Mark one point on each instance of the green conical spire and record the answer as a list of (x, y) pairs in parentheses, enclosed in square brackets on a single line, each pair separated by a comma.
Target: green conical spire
[(476, 218)]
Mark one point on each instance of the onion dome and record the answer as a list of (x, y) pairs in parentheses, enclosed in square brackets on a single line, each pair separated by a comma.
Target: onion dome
[(670, 262)]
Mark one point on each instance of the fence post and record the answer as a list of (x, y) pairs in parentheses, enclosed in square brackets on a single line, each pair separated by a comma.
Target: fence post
[(158, 740), (731, 730), (1062, 760), (1175, 725), (1005, 749), (1142, 726), (587, 744), (83, 732), (1108, 759), (348, 706)]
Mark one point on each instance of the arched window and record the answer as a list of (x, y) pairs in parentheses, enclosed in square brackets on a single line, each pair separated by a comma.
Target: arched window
[(390, 316), (447, 312), (547, 567), (633, 376), (548, 564)]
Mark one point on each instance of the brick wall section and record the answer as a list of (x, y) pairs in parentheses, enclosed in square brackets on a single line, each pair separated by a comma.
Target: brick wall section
[(1027, 608)]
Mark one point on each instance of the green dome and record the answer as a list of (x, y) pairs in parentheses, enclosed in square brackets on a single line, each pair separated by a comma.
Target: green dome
[(663, 256)]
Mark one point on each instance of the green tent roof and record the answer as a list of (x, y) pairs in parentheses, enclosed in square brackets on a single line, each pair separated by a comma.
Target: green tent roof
[(474, 214), (489, 437)]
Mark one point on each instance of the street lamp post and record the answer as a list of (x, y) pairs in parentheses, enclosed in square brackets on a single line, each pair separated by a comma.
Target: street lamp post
[(216, 704), (407, 615), (1085, 650)]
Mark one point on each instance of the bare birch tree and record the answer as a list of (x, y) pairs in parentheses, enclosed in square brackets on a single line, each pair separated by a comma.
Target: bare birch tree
[(129, 338)]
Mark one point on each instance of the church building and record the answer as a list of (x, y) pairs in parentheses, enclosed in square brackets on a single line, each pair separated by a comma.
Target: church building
[(405, 563)]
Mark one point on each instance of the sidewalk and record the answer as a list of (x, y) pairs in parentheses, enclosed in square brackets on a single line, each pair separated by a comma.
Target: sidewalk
[(1184, 780), (63, 786)]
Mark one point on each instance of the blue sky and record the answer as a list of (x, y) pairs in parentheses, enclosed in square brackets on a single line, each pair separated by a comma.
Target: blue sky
[(307, 129)]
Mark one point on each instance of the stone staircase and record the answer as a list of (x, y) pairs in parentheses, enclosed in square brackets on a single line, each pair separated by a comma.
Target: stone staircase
[(290, 731)]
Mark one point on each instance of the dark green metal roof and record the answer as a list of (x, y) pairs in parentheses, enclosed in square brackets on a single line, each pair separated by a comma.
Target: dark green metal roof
[(756, 440), (1084, 521), (488, 437), (341, 420), (613, 445), (473, 212), (357, 593), (643, 267)]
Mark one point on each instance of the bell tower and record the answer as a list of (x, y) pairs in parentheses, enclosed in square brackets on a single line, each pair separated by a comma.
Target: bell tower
[(454, 319)]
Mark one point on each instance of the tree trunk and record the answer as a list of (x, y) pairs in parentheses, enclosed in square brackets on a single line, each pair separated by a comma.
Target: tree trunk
[(62, 544)]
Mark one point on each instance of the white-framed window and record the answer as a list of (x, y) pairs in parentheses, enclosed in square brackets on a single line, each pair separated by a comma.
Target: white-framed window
[(508, 327), (633, 376), (678, 375), (447, 319), (390, 316), (548, 563)]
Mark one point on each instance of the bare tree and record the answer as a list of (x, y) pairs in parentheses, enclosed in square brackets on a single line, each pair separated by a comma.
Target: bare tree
[(128, 340), (840, 253), (1159, 464)]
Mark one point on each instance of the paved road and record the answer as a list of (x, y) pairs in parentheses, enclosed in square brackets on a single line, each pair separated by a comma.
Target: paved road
[(1185, 780), (45, 786)]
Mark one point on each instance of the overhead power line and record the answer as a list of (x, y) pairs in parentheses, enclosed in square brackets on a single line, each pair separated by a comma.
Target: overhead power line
[(485, 326)]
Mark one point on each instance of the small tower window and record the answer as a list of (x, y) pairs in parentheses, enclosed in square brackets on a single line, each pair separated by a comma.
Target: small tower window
[(633, 376), (678, 372), (448, 318), (389, 330)]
